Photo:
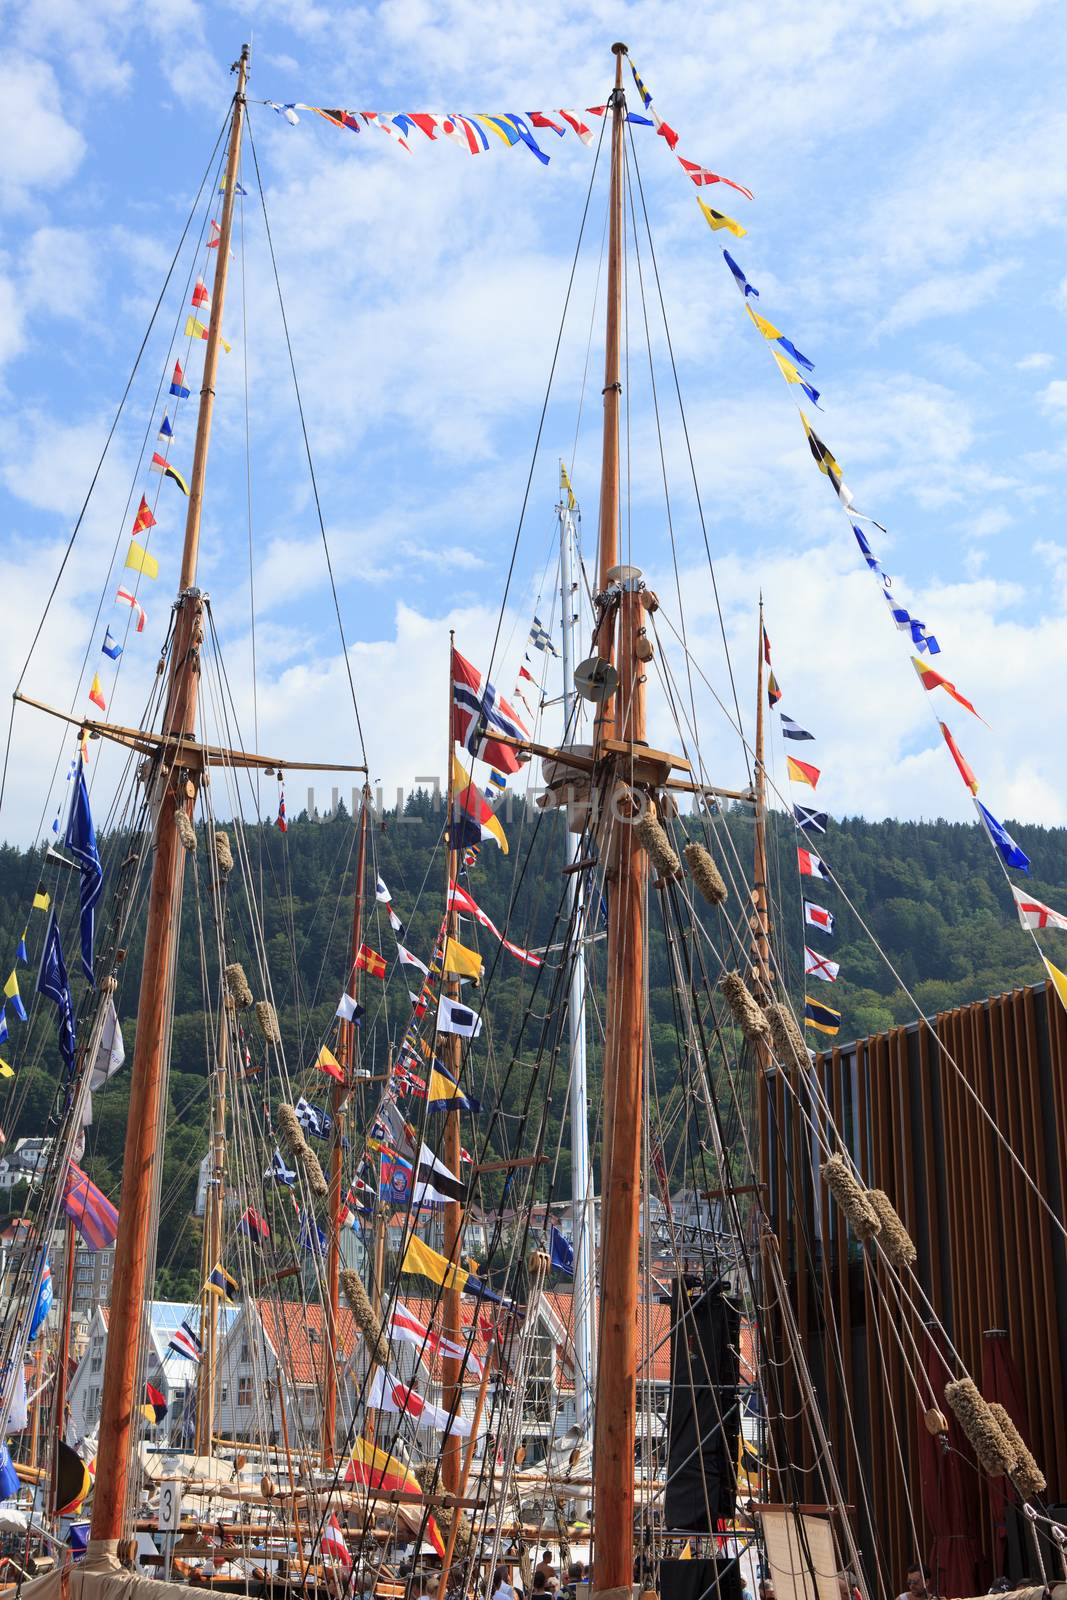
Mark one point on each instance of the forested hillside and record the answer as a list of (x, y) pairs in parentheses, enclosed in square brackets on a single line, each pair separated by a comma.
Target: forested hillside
[(933, 896)]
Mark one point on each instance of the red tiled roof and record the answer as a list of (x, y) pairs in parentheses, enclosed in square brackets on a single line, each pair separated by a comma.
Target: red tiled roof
[(297, 1334)]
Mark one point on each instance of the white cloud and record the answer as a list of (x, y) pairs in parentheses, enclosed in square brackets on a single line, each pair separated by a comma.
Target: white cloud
[(1038, 362), (41, 149), (59, 272), (1054, 397), (946, 295), (12, 335)]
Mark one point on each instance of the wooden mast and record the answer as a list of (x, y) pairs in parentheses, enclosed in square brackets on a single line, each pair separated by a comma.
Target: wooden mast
[(616, 1402), (451, 1047), (59, 1409), (761, 926), (337, 1101), (214, 1199), (173, 788)]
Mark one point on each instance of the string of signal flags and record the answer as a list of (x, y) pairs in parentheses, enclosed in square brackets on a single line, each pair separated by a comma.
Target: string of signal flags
[(139, 559), (807, 821), (795, 368)]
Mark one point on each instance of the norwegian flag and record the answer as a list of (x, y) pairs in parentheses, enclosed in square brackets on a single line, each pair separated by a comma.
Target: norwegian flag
[(477, 713), (332, 1544)]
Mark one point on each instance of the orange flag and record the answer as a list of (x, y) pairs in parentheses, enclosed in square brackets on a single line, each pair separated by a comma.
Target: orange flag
[(96, 693), (801, 772), (933, 680), (957, 755)]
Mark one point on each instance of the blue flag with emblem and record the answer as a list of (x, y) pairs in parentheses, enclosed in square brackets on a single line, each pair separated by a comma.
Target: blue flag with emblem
[(54, 985), (81, 842), (561, 1252), (1009, 850)]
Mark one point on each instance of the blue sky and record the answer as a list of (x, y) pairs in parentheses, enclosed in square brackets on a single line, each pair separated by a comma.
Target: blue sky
[(907, 233)]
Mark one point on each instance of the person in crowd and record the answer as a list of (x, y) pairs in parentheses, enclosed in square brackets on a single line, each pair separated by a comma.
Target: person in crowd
[(915, 1583), (500, 1588)]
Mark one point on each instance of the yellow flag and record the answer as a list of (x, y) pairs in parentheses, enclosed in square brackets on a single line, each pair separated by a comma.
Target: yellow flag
[(565, 483), (768, 330), (461, 962), (787, 369), (195, 329), (1058, 979), (824, 460), (11, 987), (426, 1263), (5, 1070), (139, 560), (718, 219), (41, 900), (686, 1552)]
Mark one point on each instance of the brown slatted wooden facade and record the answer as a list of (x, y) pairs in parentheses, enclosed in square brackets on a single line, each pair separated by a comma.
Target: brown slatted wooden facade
[(990, 1258)]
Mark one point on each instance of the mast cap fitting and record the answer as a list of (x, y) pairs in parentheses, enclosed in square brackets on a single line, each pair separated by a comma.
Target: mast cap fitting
[(620, 50), (624, 575)]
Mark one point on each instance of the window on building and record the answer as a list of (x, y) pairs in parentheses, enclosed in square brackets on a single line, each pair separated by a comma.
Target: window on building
[(244, 1391), (225, 1394), (244, 1351), (96, 1363)]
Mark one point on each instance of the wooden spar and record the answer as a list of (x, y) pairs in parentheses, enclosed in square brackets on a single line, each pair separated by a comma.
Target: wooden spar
[(604, 722), (213, 1215), (616, 1394), (452, 1316), (337, 1101), (130, 1286), (468, 1462), (58, 1414), (761, 929)]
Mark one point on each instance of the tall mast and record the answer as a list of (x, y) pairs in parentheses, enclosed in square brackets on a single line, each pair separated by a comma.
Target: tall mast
[(337, 1101), (451, 1047), (761, 927), (173, 788), (582, 1216), (59, 1411), (213, 1213), (621, 727)]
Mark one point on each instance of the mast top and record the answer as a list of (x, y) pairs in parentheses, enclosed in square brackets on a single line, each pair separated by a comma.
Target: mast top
[(620, 50)]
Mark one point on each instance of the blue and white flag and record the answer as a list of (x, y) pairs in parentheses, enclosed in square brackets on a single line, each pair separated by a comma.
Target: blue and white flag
[(793, 730), (111, 646), (540, 637), (278, 1170), (81, 842), (808, 819), (313, 1119), (166, 430)]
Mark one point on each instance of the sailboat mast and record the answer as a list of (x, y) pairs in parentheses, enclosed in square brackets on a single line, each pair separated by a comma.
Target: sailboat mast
[(213, 1214), (761, 927), (174, 788), (451, 1047), (337, 1100), (582, 1218), (616, 1397), (60, 1408)]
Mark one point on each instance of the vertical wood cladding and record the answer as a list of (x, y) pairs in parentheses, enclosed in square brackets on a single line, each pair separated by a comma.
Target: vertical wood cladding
[(917, 1110)]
